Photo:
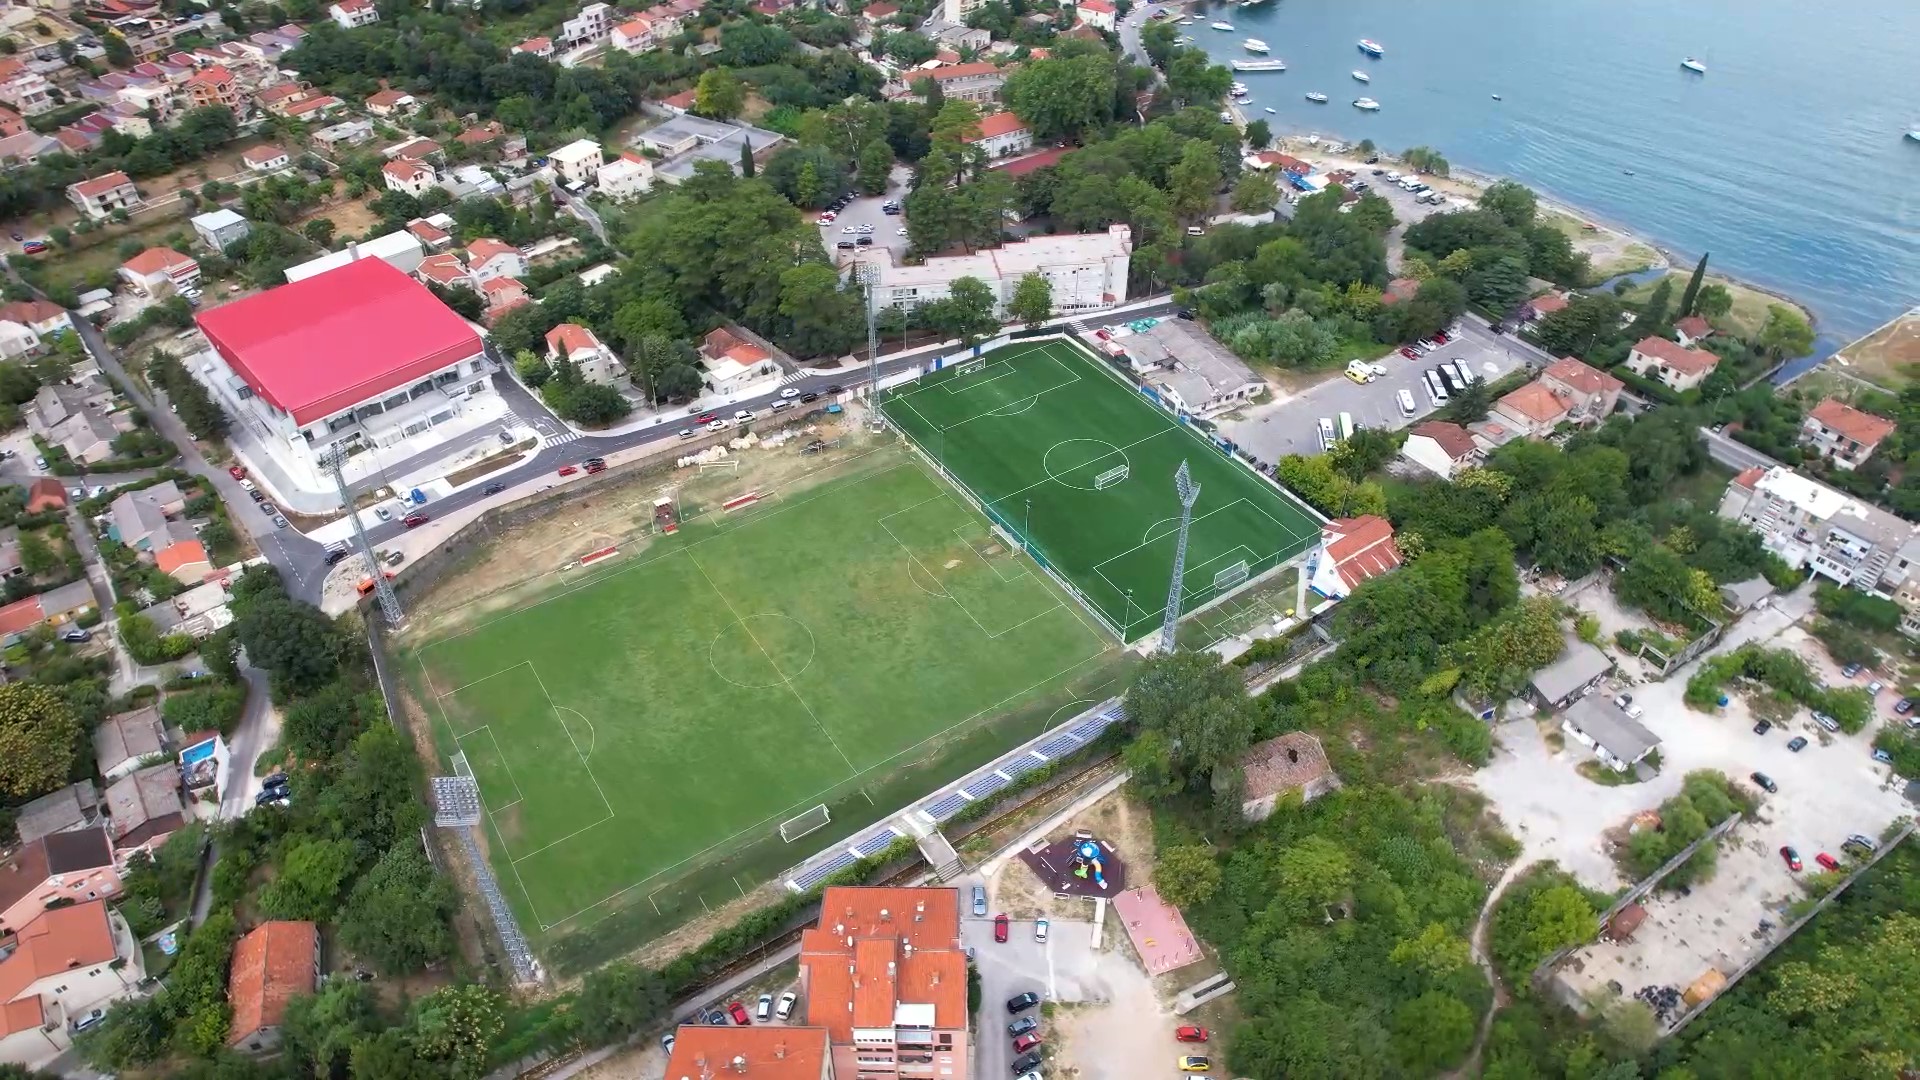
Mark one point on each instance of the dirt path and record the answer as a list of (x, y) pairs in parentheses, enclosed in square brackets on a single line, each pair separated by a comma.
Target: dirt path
[(1477, 942)]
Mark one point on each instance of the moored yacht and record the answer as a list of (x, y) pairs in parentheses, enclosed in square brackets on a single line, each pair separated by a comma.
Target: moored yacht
[(1371, 47), (1222, 26), (1694, 66), (1259, 65), (1366, 104), (1362, 76), (1254, 45), (1317, 97)]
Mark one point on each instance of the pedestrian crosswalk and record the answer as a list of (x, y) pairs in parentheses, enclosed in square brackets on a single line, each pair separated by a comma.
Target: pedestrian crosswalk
[(561, 439), (1079, 326), (792, 377)]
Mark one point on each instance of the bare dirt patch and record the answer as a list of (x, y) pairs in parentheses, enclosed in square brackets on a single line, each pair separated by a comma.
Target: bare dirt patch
[(1890, 356), (350, 217)]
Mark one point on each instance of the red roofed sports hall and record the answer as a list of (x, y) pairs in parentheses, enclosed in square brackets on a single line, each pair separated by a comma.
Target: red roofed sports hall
[(361, 357)]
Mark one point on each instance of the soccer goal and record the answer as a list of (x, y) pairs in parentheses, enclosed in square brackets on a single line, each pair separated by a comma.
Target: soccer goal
[(970, 367), (801, 824), (1229, 576), (1110, 477)]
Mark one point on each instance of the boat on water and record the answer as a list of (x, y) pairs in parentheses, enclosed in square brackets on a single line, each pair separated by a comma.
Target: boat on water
[(1254, 45), (1239, 89), (1317, 97), (1496, 97), (1259, 65), (1371, 47), (1223, 26), (1362, 76), (1916, 136), (1914, 133), (1366, 104), (1694, 66)]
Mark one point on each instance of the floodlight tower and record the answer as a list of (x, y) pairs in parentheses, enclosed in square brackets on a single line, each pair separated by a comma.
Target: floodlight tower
[(382, 588), (1189, 492), (869, 275)]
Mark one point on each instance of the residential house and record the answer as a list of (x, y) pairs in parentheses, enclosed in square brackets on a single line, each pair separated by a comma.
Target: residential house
[(266, 159), (24, 91), (431, 232), (159, 271), (273, 963), (101, 196), (215, 86), (593, 24), (1088, 271), (1808, 524), (59, 868), (144, 520), (26, 326), (1674, 366), (197, 611), (593, 360), (680, 104), (398, 249), (11, 123), (1617, 739), (204, 762), (410, 176), (628, 176), (123, 740), (1589, 393), (280, 97), (1283, 767), (875, 14), (26, 148), (489, 132), (46, 494), (1533, 411), (732, 362), (686, 140), (143, 809), (345, 133), (978, 83), (885, 973), (1002, 135), (1741, 597), (767, 1052), (11, 565), (502, 295), (73, 419), (578, 161), (1542, 306), (313, 109), (1844, 434), (354, 13), (1441, 448), (390, 102), (1691, 331), (219, 228), (184, 560), (1579, 668), (488, 258), (1095, 13), (423, 149), (446, 269), (538, 47), (70, 809), (956, 11), (1351, 551), (66, 603), (668, 20), (66, 965), (634, 35)]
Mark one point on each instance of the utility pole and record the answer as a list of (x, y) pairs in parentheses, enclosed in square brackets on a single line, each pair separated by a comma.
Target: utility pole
[(1188, 492), (382, 588)]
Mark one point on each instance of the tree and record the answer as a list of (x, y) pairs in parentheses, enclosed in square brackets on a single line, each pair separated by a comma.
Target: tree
[(320, 1030), (1193, 79), (1654, 314), (1192, 182), (1186, 875), (36, 555), (1584, 325), (1714, 301), (746, 158), (1432, 1032), (294, 642), (320, 231), (824, 318), (618, 1001), (966, 312), (38, 734), (719, 94), (1259, 134), (1785, 334), (1061, 98), (309, 881), (396, 917), (1513, 202), (457, 1026), (322, 725), (1255, 193), (1032, 301), (875, 165), (1691, 296)]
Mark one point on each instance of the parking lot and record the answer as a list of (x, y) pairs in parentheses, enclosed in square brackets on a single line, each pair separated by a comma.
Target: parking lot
[(1827, 791), (1291, 426), (867, 211)]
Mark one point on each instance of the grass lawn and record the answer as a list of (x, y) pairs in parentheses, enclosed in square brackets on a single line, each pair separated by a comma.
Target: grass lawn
[(1035, 430), (667, 711), (1890, 356), (1750, 305)]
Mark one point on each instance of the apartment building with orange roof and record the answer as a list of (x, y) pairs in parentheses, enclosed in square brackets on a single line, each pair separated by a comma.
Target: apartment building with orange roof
[(885, 974)]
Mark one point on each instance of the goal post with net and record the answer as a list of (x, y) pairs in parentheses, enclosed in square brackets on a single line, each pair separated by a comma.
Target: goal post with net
[(1230, 576), (970, 367), (801, 824), (1110, 477)]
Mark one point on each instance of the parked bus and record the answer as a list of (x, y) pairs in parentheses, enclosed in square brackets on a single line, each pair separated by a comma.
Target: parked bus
[(1406, 403), (1346, 426), (1435, 391)]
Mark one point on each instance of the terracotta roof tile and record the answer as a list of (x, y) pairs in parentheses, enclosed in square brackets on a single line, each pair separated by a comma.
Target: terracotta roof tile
[(272, 963), (1536, 403), (1672, 355), (59, 939), (1850, 423), (1456, 441), (1583, 377)]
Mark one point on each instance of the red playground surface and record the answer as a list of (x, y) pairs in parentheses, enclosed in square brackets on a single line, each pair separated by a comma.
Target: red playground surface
[(1078, 866), (1158, 930)]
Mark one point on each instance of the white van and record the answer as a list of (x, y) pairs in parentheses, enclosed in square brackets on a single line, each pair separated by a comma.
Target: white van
[(1461, 369), (1406, 403), (1326, 434)]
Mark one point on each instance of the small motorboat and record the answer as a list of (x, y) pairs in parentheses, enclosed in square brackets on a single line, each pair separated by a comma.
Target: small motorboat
[(1371, 47), (1496, 97), (1254, 45), (1694, 66), (1362, 76), (1317, 97), (1366, 104), (1238, 89), (1913, 134), (1223, 26)]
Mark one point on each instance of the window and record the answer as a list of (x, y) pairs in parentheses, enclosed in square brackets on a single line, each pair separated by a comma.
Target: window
[(416, 427), (477, 388), (440, 417), (395, 401)]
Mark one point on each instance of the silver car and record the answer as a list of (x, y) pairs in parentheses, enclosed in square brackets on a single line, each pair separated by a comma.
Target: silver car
[(979, 899)]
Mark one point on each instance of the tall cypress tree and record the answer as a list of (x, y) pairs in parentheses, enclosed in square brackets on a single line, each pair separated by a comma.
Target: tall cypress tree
[(746, 160), (1692, 294)]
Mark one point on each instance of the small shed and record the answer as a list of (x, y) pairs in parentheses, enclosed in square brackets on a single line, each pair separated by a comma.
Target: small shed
[(1705, 987), (1624, 923), (1560, 683)]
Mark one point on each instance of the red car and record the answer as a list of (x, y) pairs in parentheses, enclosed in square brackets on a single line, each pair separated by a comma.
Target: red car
[(1826, 861), (1441, 338), (1190, 1034), (1792, 858), (238, 472), (1000, 927), (706, 418), (414, 521), (568, 470), (739, 1013), (1025, 1043), (1408, 352)]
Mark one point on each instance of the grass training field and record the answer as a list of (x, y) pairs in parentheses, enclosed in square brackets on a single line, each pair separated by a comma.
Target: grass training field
[(666, 710), (1040, 432)]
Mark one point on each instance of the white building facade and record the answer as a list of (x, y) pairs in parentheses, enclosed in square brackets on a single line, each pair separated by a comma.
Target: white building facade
[(1087, 271)]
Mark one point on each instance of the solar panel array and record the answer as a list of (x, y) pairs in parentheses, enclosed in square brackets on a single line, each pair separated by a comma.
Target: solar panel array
[(944, 804)]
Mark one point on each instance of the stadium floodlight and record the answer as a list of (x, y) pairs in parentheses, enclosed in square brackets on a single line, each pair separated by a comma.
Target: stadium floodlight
[(382, 588), (869, 276), (1188, 492)]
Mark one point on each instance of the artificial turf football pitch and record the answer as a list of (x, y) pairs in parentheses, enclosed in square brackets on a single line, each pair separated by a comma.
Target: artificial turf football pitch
[(1031, 427), (665, 711)]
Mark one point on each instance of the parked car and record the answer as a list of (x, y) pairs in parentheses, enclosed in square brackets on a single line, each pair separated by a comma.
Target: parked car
[(763, 1010), (1761, 727), (76, 634), (1903, 706), (979, 899), (687, 433), (739, 1013), (1797, 743), (1000, 927), (279, 522), (269, 509), (1194, 1063), (1851, 670), (395, 558), (238, 472), (383, 513), (1826, 861), (1765, 781), (789, 393), (1190, 1033), (706, 418), (1025, 1043), (1860, 843), (1791, 858), (1040, 931), (716, 1018), (1882, 756), (1026, 1063), (834, 389), (1022, 1002), (595, 466), (414, 521), (806, 399), (787, 1002), (1826, 721), (493, 489), (1874, 688), (567, 470), (666, 1042), (1023, 1025)]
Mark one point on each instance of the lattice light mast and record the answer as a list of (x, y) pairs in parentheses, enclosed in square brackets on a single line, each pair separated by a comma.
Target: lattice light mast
[(382, 588), (869, 275), (1189, 492)]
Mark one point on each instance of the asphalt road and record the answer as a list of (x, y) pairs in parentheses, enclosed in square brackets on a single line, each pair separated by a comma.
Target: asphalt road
[(1734, 455), (1271, 432)]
